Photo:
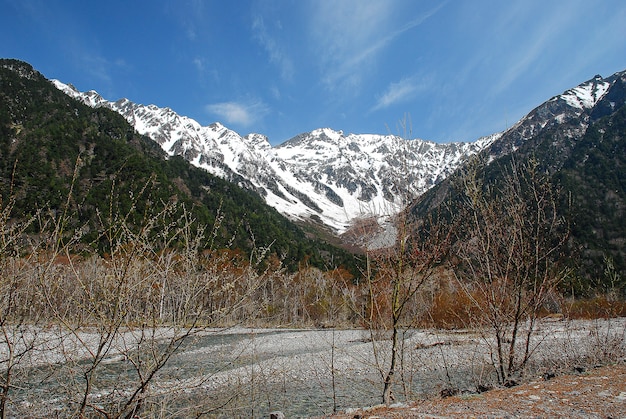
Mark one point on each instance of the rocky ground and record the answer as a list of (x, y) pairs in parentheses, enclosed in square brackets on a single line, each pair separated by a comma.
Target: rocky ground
[(594, 393)]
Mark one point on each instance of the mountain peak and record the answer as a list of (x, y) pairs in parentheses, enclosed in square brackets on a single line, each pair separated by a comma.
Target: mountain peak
[(574, 108), (578, 142), (586, 95)]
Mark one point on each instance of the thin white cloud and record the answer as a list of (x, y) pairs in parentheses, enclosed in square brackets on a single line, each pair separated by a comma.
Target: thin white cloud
[(239, 113), (275, 92), (99, 67), (96, 65), (350, 35), (276, 54), (199, 64), (188, 15), (345, 34), (398, 92), (534, 38)]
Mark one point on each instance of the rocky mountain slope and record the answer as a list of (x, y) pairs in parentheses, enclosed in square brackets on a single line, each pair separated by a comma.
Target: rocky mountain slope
[(323, 176), (333, 179), (569, 113)]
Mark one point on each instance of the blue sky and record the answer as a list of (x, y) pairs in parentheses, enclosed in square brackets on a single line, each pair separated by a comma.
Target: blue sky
[(460, 69)]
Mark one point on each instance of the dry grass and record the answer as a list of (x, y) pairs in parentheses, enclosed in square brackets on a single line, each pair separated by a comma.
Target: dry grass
[(599, 307)]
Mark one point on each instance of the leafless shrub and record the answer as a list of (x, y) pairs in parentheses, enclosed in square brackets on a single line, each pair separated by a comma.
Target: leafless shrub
[(100, 328), (509, 258)]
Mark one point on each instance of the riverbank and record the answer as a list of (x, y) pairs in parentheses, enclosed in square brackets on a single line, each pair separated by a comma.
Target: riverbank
[(595, 393)]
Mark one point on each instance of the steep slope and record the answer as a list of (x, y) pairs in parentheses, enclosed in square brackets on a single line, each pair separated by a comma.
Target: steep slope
[(579, 139), (324, 176), (51, 144), (567, 115)]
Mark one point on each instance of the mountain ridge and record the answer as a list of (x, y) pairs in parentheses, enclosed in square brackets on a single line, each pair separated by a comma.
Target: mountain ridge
[(332, 179), (578, 141), (60, 156), (355, 174)]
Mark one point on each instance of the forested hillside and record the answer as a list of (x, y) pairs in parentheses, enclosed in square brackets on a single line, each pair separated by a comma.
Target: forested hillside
[(582, 152), (61, 155), (593, 179)]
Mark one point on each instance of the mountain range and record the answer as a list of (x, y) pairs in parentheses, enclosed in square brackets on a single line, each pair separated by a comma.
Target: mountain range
[(330, 178), (335, 180), (62, 158), (323, 177)]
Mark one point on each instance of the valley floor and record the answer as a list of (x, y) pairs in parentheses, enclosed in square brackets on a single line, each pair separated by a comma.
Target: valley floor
[(242, 372)]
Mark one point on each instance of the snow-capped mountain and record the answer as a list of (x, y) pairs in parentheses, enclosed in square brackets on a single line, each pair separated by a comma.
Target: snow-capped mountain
[(331, 178), (577, 141), (322, 176), (570, 112), (356, 175), (551, 133)]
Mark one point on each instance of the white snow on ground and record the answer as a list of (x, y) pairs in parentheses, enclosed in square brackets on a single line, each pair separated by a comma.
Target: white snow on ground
[(324, 174)]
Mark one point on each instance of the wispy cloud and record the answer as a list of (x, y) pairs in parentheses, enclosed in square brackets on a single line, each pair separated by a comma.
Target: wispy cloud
[(400, 91), (198, 62), (276, 54), (343, 34), (239, 113), (95, 65), (61, 28), (534, 38), (189, 16), (103, 71), (350, 35)]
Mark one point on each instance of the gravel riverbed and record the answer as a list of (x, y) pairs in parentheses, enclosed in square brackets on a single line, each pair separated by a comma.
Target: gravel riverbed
[(241, 372)]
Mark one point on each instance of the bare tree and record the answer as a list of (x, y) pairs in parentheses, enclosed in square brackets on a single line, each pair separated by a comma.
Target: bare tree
[(18, 336), (509, 252), (395, 274), (406, 268), (115, 320)]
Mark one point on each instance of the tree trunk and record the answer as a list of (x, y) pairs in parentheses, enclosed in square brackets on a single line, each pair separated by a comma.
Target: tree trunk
[(388, 396)]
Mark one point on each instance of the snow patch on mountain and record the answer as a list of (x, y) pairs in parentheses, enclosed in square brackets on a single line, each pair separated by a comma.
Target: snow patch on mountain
[(586, 95), (573, 108)]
